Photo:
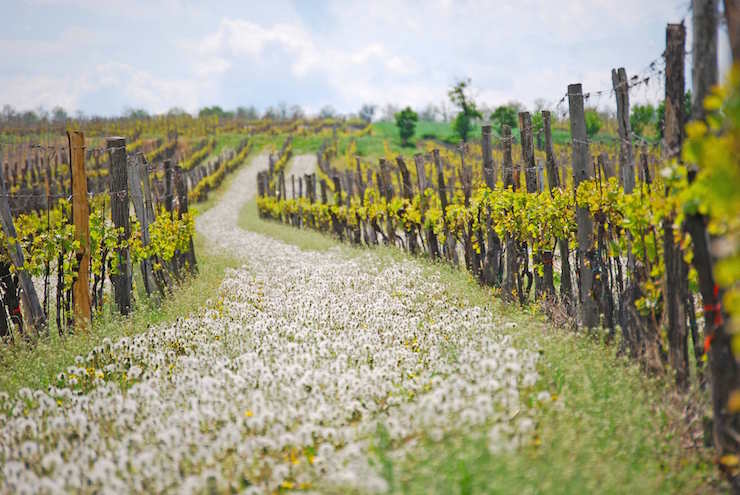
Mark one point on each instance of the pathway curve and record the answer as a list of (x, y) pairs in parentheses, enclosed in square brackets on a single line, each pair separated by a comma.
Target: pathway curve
[(283, 382)]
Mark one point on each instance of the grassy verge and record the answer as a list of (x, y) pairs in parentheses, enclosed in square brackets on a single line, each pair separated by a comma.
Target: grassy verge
[(36, 366), (307, 240), (615, 430)]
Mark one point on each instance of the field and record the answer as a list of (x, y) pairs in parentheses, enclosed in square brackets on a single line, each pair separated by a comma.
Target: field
[(521, 302)]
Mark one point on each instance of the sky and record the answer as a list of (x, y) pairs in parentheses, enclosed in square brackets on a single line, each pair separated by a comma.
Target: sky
[(104, 56)]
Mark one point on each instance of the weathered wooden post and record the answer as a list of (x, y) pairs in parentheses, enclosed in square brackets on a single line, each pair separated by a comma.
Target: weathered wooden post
[(119, 204), (281, 186), (530, 177), (323, 192), (260, 186), (492, 260), (530, 168), (28, 291), (135, 166), (432, 244), (336, 222), (626, 159), (387, 191), (704, 68), (81, 221), (675, 268), (581, 172), (512, 253), (168, 196), (188, 257)]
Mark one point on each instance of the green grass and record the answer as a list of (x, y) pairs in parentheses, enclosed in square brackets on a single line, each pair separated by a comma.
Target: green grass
[(616, 432), (307, 240)]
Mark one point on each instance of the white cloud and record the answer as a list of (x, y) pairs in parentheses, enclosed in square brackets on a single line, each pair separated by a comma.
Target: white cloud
[(336, 52)]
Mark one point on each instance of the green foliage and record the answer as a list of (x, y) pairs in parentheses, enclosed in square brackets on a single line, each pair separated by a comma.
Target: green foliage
[(505, 114), (464, 121), (215, 111), (406, 121), (641, 116), (593, 123), (715, 148), (538, 124)]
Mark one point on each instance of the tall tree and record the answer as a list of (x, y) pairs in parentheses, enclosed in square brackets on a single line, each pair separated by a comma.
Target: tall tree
[(464, 121)]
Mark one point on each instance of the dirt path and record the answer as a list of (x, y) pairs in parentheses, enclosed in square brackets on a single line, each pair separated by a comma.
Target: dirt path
[(282, 383)]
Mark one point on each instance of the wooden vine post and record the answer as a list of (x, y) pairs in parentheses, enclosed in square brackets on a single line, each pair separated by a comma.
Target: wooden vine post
[(119, 206), (530, 176), (136, 166), (81, 221), (620, 84), (512, 253), (492, 260), (432, 244), (188, 257), (676, 270), (442, 190), (28, 291), (581, 172)]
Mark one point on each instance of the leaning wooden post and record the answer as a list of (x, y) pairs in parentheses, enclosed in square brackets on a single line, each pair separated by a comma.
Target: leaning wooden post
[(182, 210), (28, 291), (626, 158), (119, 207), (581, 172), (676, 270), (135, 166), (81, 221)]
